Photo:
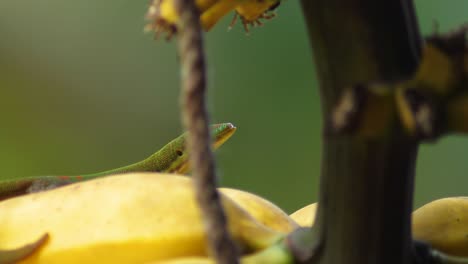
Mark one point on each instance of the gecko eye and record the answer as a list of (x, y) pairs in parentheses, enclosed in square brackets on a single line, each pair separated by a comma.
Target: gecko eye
[(179, 153)]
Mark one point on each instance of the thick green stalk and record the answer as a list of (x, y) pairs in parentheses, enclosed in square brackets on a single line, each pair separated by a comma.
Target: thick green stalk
[(367, 179)]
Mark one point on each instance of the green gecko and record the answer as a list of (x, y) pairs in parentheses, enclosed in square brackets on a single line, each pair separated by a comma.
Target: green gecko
[(172, 158)]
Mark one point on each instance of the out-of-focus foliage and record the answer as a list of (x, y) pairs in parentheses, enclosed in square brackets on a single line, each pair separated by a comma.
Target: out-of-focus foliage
[(83, 89)]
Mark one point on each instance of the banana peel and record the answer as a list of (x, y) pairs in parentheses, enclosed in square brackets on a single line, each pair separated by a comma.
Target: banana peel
[(129, 218), (262, 210), (443, 224), (305, 216)]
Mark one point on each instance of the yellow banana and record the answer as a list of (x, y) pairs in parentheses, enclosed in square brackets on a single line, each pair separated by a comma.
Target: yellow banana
[(305, 216), (443, 224), (186, 260), (129, 218), (262, 210)]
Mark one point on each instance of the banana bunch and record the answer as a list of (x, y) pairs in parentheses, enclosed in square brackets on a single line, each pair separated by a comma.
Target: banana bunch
[(164, 18), (153, 218), (137, 218)]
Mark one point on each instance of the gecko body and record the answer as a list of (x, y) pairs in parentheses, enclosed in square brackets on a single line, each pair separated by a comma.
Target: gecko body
[(172, 158)]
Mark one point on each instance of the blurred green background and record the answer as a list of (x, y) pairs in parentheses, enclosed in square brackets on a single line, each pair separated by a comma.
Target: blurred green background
[(83, 89)]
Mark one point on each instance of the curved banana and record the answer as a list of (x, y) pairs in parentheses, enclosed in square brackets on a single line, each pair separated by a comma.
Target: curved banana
[(443, 224), (262, 210), (305, 216), (129, 218)]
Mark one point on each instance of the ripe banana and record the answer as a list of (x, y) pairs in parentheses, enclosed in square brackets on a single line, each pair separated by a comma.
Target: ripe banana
[(262, 210), (443, 224), (305, 216), (129, 218)]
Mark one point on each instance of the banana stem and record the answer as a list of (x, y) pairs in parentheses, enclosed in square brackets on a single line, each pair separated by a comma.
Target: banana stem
[(277, 253), (366, 182)]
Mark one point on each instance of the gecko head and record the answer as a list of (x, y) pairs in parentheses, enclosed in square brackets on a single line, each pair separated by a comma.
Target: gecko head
[(175, 153), (221, 133)]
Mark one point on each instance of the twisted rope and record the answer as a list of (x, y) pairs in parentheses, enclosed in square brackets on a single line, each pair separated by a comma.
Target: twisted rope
[(195, 120)]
